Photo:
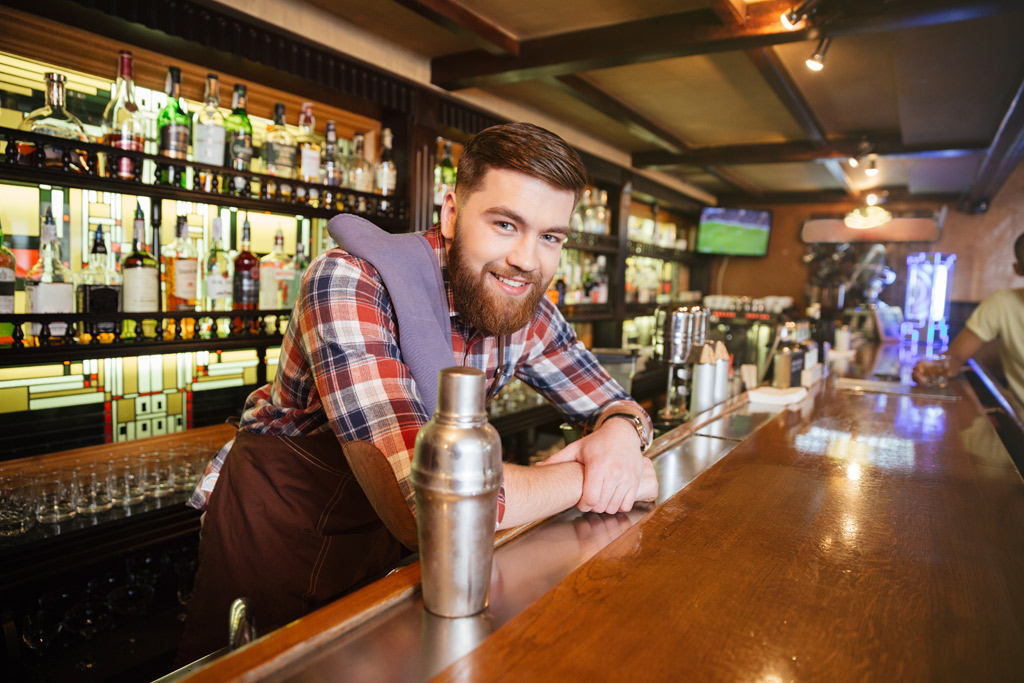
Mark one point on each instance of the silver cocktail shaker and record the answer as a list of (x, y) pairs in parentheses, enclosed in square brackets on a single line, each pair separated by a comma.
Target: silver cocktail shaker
[(456, 473)]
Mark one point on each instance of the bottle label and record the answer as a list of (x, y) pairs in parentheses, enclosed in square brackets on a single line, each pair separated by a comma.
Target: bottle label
[(174, 141), (208, 144), (218, 285), (125, 165), (269, 287), (386, 178), (186, 272), (6, 290), (310, 169), (240, 150), (280, 156), (246, 290), (50, 297), (140, 290)]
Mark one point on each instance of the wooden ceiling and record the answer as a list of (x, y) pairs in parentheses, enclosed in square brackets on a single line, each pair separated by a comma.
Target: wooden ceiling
[(716, 93)]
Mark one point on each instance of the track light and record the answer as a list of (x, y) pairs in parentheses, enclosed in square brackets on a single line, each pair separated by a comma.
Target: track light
[(872, 169), (872, 199), (816, 62), (794, 17), (854, 162), (864, 148)]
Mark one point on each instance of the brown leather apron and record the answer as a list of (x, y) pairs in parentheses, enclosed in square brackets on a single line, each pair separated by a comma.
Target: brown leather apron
[(306, 535)]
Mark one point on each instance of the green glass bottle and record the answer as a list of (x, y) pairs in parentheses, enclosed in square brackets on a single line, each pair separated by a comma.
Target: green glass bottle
[(239, 137), (173, 125)]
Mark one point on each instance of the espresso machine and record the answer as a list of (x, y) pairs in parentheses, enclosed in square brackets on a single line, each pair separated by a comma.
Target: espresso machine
[(680, 334)]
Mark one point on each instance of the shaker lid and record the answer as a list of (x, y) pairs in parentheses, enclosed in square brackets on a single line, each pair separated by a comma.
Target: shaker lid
[(460, 392)]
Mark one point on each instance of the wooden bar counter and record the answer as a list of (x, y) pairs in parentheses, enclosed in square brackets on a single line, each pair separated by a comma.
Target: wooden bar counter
[(857, 535)]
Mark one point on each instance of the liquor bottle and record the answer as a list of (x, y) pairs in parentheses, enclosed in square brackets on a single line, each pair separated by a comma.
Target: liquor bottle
[(122, 124), (239, 137), (172, 125), (217, 282), (209, 135), (141, 278), (48, 283), (277, 275), (333, 163), (54, 119), (309, 152), (8, 270), (447, 172), (246, 279), (385, 172), (98, 290), (360, 172), (301, 263), (181, 263), (279, 152)]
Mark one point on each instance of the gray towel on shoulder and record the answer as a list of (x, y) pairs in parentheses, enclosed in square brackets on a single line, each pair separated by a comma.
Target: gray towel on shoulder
[(408, 267)]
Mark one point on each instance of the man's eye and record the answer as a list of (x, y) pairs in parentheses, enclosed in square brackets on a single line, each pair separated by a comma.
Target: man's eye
[(504, 225), (554, 239)]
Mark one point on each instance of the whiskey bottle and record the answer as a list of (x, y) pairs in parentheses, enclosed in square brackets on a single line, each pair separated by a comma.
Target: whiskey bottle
[(360, 171), (98, 291), (238, 131), (181, 263), (172, 125), (277, 275), (309, 155), (333, 163), (385, 172), (141, 278), (279, 152), (48, 283), (122, 124), (54, 119), (216, 272), (209, 135)]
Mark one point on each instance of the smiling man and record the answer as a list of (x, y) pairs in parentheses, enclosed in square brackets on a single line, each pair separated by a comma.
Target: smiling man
[(287, 525)]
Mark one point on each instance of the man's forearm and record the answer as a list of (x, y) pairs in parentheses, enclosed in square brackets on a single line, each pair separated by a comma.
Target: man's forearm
[(532, 493)]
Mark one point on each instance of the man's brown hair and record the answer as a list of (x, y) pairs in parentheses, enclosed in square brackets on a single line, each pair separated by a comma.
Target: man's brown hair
[(521, 147)]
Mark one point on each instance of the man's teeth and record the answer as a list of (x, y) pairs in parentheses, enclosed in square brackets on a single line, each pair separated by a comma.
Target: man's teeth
[(511, 283)]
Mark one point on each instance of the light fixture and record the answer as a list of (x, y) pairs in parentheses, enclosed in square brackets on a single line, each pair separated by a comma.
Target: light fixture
[(867, 217), (872, 199), (794, 17), (854, 162), (816, 62), (872, 169), (864, 148)]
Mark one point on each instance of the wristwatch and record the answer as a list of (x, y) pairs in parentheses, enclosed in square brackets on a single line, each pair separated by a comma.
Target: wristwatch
[(638, 424)]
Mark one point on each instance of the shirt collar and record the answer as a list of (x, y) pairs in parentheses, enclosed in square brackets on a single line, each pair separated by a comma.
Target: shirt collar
[(437, 241)]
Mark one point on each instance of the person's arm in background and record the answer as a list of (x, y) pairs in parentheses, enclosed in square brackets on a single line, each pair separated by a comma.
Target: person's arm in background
[(981, 327), (559, 367)]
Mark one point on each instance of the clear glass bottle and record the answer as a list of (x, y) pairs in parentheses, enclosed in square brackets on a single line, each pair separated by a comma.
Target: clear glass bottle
[(209, 135), (309, 154), (8, 273), (279, 153), (172, 124), (238, 130), (217, 282), (277, 276), (98, 290), (181, 263), (333, 165), (122, 122), (54, 119), (48, 284), (360, 171), (385, 177), (140, 291)]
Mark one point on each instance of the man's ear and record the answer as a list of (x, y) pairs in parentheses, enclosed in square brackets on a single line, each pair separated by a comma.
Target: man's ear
[(449, 210), (1017, 269)]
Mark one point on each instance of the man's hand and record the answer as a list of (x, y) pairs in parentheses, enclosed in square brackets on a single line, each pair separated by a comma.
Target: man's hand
[(615, 472)]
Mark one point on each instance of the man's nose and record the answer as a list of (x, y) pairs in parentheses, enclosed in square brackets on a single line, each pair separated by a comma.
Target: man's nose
[(523, 254)]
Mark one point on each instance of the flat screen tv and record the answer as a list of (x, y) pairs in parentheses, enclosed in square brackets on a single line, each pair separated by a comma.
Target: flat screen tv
[(733, 232)]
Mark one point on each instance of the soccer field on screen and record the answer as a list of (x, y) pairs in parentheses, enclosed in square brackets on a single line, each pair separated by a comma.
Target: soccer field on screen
[(729, 238)]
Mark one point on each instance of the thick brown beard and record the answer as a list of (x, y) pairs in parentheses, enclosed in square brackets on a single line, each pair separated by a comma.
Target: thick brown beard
[(481, 308)]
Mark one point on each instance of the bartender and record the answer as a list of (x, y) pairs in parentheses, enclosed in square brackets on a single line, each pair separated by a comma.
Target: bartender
[(287, 526)]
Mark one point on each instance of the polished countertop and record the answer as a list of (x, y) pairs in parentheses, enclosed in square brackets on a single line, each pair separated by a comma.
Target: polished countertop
[(858, 534)]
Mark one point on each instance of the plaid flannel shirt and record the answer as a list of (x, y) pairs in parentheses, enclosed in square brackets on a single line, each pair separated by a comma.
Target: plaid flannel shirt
[(341, 368)]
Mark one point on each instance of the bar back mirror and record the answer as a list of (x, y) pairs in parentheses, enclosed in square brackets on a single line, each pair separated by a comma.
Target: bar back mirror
[(898, 229)]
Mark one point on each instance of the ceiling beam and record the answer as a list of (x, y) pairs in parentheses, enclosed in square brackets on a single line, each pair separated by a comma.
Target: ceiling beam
[(731, 12), (777, 76), (895, 194), (690, 33), (637, 124), (886, 145), (485, 35), (1003, 156)]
